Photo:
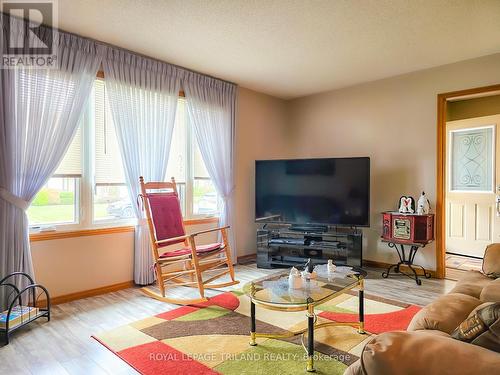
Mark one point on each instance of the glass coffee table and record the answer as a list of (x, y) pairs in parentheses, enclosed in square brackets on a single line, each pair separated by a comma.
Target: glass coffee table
[(273, 292)]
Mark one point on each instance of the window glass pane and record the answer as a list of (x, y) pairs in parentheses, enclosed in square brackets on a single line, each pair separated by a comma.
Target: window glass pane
[(32, 82), (35, 83), (108, 161), (186, 165), (181, 190), (177, 161), (111, 200), (472, 159), (204, 197), (55, 203), (199, 165), (71, 165)]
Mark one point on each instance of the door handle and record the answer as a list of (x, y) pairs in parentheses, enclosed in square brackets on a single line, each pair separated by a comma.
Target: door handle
[(497, 204)]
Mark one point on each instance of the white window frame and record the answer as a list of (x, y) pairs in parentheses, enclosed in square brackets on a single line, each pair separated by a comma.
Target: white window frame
[(85, 185)]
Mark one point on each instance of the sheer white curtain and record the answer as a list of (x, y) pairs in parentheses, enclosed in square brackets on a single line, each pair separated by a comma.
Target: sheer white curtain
[(39, 113), (211, 106), (143, 97)]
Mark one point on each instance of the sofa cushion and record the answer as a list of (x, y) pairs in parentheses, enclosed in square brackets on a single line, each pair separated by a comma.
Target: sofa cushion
[(445, 313), (491, 261), (472, 283), (481, 328), (422, 352), (491, 292)]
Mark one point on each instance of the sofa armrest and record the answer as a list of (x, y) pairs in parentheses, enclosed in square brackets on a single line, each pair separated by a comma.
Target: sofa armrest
[(423, 352), (491, 292), (471, 284), (491, 261), (444, 314)]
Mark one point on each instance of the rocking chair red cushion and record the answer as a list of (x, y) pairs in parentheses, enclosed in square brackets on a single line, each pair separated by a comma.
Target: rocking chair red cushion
[(167, 220), (200, 249), (167, 217)]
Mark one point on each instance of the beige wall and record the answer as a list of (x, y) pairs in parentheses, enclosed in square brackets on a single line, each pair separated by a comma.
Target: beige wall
[(77, 264), (393, 121), (470, 108), (261, 133)]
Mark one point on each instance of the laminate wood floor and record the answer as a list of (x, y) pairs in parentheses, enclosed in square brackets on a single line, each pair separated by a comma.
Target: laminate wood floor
[(457, 266), (64, 345)]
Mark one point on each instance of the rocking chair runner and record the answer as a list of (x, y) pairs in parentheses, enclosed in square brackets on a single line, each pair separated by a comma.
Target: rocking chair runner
[(183, 266)]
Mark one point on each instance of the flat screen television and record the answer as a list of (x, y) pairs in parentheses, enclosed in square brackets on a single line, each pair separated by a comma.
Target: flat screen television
[(333, 191)]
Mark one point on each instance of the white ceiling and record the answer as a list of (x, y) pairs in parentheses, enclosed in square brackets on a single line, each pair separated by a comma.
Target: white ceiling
[(292, 48)]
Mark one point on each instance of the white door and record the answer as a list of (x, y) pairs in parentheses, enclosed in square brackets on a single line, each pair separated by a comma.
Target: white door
[(472, 220)]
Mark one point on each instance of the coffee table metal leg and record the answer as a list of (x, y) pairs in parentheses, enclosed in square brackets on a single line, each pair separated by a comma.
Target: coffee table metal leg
[(310, 338), (252, 324), (361, 295)]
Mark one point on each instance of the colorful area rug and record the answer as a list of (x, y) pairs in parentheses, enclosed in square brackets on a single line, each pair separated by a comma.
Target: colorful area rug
[(213, 337)]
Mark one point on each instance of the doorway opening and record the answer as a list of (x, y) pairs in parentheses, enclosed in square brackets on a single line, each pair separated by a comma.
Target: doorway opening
[(468, 186)]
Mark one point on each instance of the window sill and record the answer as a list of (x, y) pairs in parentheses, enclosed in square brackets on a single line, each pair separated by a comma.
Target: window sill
[(56, 235)]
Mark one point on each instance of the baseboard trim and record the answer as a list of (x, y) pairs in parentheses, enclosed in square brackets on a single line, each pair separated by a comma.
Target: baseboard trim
[(245, 259), (374, 263), (91, 292)]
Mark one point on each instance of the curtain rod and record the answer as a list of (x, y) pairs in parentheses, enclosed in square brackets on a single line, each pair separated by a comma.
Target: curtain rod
[(125, 49)]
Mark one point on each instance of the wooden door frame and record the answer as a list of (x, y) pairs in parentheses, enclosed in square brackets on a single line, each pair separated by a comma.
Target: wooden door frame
[(441, 169)]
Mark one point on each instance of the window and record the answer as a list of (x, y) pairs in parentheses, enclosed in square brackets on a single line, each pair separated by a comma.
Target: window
[(205, 200), (88, 188), (110, 199), (58, 201)]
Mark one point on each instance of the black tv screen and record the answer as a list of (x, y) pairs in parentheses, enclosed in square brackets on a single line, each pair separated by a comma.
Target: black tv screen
[(333, 191)]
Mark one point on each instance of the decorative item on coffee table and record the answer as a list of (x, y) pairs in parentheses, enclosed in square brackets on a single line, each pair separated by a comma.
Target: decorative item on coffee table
[(400, 230)]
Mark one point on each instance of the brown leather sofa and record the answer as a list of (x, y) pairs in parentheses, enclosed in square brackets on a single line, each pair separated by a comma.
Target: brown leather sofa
[(427, 347)]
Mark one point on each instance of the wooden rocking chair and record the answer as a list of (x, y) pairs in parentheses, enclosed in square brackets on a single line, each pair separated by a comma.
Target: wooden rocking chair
[(183, 266)]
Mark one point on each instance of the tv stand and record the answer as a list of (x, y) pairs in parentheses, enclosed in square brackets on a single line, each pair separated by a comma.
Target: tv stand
[(284, 245)]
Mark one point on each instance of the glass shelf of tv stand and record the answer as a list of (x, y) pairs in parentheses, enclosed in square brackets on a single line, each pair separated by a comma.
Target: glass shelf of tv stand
[(312, 247), (298, 262), (286, 232)]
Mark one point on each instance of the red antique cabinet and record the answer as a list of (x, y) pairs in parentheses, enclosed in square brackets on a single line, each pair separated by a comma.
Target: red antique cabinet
[(407, 228), (412, 230)]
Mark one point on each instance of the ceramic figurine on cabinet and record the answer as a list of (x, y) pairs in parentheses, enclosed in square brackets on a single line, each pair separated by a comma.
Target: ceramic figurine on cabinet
[(406, 205), (423, 205)]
